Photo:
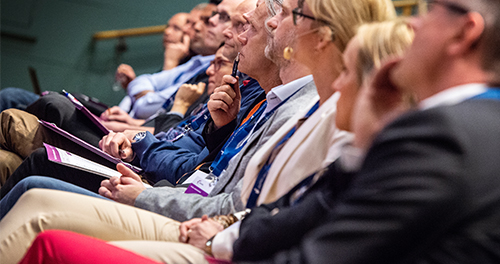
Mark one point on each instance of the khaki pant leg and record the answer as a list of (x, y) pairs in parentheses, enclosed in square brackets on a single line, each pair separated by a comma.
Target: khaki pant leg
[(40, 209), (9, 161), (166, 252), (20, 132)]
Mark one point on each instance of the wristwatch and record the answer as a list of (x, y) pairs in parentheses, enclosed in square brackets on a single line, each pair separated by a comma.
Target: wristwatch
[(139, 136), (208, 246)]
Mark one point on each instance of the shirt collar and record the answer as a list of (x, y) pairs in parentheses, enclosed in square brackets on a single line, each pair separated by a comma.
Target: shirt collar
[(204, 59), (453, 95), (281, 92)]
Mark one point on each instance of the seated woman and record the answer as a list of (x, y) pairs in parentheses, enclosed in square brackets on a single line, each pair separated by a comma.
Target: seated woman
[(278, 223)]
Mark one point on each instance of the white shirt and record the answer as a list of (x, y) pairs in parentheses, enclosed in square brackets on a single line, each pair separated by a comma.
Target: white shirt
[(281, 92)]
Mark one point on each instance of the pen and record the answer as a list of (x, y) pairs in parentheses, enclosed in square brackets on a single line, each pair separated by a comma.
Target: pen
[(235, 65), (72, 98)]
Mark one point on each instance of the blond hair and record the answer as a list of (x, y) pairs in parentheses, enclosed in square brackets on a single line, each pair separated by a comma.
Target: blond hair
[(344, 16), (380, 40)]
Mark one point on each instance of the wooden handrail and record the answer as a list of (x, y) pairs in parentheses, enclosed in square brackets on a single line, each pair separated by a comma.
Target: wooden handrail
[(407, 6), (131, 32)]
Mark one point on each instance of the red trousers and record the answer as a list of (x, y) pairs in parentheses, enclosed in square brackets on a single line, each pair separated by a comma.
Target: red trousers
[(58, 247)]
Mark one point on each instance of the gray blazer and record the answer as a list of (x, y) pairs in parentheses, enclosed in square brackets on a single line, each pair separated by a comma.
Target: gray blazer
[(225, 197)]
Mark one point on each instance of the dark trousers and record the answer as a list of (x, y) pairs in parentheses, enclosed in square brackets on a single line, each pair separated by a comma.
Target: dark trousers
[(38, 164)]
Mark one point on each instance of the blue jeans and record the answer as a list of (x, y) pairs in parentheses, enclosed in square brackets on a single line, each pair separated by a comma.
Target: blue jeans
[(16, 98), (9, 200)]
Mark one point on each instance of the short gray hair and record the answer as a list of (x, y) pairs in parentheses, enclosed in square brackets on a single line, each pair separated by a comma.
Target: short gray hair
[(272, 11)]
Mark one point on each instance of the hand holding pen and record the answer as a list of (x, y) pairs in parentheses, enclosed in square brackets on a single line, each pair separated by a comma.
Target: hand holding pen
[(224, 103), (117, 145)]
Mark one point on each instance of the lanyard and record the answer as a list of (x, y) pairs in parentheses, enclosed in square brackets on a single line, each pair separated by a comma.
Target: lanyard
[(231, 148), (261, 177), (491, 93), (240, 137), (195, 122)]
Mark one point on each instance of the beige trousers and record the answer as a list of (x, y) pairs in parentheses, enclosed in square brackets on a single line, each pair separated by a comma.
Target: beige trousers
[(40, 209), (20, 134)]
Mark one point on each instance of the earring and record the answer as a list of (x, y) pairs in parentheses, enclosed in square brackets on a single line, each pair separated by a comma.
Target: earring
[(287, 53)]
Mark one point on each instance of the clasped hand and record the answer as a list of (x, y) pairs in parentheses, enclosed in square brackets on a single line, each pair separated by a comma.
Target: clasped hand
[(198, 231)]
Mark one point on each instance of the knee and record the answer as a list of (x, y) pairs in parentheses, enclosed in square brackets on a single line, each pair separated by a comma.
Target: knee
[(38, 155), (35, 198), (32, 182)]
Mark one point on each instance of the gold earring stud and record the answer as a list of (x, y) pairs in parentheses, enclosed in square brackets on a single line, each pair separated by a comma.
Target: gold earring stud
[(287, 53)]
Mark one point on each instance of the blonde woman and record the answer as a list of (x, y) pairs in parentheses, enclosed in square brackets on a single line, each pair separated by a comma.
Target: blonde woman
[(315, 33)]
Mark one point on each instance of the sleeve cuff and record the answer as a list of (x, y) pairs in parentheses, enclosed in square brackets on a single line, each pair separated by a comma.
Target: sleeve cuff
[(222, 247), (351, 158), (141, 146)]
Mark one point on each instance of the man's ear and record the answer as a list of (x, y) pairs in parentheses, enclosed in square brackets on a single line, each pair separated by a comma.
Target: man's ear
[(469, 35)]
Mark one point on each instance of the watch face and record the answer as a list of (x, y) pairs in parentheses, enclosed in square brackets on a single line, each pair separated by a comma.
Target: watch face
[(139, 136)]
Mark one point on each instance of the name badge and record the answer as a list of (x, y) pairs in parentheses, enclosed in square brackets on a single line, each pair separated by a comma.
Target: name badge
[(201, 183)]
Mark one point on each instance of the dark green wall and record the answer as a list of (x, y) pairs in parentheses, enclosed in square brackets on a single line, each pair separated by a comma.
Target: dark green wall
[(59, 46)]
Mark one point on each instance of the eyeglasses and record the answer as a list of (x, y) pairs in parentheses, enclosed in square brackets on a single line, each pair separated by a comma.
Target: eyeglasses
[(223, 16), (448, 5), (218, 63), (297, 13)]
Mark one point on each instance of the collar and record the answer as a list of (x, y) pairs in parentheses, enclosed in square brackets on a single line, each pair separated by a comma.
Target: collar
[(453, 95), (282, 92), (204, 59)]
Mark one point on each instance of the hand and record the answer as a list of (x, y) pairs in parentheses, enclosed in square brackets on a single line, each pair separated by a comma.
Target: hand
[(115, 113), (174, 52), (121, 127), (185, 229), (379, 102), (124, 74), (203, 231), (224, 103), (124, 189), (186, 96), (117, 145)]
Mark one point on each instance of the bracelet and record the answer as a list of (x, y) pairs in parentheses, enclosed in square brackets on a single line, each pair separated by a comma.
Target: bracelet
[(225, 220)]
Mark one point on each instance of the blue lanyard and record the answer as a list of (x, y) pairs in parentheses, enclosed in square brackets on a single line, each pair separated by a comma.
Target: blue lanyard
[(232, 146), (240, 137), (195, 122), (491, 93), (261, 178)]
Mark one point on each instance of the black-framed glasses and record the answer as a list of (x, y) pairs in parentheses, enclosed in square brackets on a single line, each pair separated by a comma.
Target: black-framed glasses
[(223, 16), (297, 13), (455, 8)]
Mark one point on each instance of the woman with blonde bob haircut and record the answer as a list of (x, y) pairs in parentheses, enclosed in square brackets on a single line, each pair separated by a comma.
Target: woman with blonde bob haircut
[(374, 43)]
